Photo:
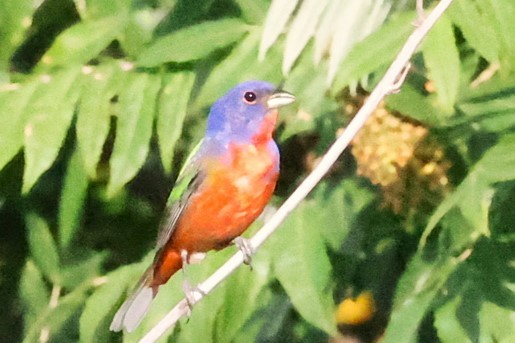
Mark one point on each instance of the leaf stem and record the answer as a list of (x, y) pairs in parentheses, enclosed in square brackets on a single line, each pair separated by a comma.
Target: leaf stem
[(44, 336)]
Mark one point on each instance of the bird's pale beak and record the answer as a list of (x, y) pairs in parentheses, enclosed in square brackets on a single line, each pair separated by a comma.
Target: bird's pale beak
[(280, 98)]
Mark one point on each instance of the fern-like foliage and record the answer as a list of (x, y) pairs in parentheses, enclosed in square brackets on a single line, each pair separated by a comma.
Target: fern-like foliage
[(100, 101)]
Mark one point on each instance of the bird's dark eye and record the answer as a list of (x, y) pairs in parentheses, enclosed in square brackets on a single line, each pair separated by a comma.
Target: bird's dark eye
[(250, 97)]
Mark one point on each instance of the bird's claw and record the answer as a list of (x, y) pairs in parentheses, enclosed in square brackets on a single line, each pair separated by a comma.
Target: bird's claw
[(246, 248), (192, 294)]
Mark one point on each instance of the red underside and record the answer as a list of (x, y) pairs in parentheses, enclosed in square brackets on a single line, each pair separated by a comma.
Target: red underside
[(233, 195)]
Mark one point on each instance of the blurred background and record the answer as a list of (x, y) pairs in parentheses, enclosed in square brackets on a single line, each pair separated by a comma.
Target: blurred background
[(408, 238)]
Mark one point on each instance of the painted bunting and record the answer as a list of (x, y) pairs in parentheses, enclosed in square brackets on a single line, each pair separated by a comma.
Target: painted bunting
[(220, 191)]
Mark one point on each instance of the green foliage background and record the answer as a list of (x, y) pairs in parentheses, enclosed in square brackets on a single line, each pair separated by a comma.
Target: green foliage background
[(100, 100)]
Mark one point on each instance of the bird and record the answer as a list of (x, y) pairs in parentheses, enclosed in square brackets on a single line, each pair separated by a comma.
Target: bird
[(220, 191)]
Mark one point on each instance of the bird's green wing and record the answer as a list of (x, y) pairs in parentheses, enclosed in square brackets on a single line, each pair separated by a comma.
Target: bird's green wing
[(188, 181)]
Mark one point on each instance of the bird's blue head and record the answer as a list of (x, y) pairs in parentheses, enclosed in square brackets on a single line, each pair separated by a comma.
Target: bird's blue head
[(240, 113)]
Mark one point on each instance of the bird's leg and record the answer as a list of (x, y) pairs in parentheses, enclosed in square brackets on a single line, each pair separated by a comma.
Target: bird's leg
[(246, 248), (196, 257), (191, 293)]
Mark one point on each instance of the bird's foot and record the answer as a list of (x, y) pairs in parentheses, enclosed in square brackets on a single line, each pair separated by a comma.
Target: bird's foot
[(246, 248), (192, 294)]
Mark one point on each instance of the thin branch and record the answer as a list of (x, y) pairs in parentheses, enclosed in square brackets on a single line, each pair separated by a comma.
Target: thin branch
[(44, 336), (486, 74), (389, 83)]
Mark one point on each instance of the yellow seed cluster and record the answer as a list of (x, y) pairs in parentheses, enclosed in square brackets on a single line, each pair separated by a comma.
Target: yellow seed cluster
[(397, 155), (423, 182), (384, 145)]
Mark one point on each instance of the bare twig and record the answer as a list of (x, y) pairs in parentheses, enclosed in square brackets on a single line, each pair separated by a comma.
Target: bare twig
[(389, 83), (44, 336), (486, 74)]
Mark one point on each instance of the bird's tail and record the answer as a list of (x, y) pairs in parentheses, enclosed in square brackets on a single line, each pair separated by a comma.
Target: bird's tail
[(133, 310), (136, 306)]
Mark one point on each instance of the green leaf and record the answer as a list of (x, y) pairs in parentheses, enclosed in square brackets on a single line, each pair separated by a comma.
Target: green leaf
[(15, 19), (71, 204), (193, 43), (113, 290), (201, 324), (500, 15), (13, 117), (242, 291), (424, 278), (497, 86), (301, 30), (53, 319), (493, 258), (241, 65), (305, 81), (33, 293), (355, 20), (134, 129), (478, 32), (447, 325), (94, 9), (416, 291), (253, 11), (42, 246), (494, 105), (466, 315), (99, 309), (325, 31), (411, 103), (489, 108), (497, 323), (278, 15), (375, 51), (266, 323), (502, 215), (337, 208), (303, 268), (82, 271), (101, 84), (442, 60), (171, 111), (475, 213), (139, 30), (82, 42), (183, 13), (50, 114), (496, 165)]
